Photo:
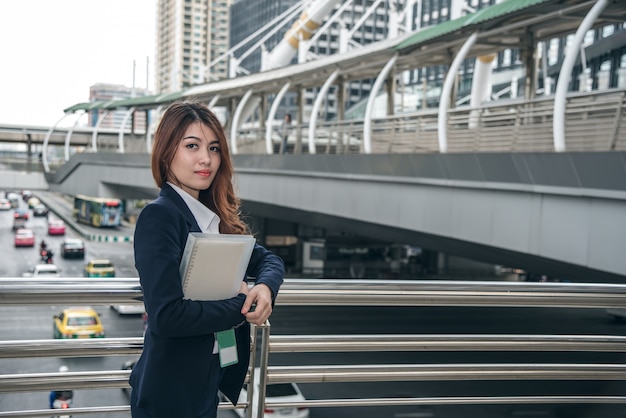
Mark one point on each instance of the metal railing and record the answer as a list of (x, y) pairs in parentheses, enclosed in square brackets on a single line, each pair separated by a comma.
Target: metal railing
[(594, 121), (307, 292)]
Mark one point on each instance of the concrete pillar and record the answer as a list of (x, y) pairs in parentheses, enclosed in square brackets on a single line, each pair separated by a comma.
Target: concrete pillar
[(341, 114), (391, 88), (262, 116), (529, 58), (299, 120)]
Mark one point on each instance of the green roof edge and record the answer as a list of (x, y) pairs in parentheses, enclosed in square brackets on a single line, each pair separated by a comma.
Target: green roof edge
[(479, 16)]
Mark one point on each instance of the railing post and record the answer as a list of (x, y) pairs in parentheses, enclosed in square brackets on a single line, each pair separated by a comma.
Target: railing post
[(250, 391), (263, 363)]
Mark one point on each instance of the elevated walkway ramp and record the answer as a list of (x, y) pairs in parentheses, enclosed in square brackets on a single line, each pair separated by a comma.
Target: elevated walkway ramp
[(548, 212)]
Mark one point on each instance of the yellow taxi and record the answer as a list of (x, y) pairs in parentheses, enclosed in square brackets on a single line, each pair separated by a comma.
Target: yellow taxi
[(78, 322), (99, 268)]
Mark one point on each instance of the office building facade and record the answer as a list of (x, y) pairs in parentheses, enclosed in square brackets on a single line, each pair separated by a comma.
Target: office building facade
[(191, 35)]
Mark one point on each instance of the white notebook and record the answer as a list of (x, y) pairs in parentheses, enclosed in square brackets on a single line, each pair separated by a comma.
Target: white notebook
[(214, 265)]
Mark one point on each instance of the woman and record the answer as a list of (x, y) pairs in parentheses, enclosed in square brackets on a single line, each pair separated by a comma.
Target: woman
[(179, 371)]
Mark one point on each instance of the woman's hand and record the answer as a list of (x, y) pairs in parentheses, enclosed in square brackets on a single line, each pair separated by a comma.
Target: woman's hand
[(243, 288), (260, 296)]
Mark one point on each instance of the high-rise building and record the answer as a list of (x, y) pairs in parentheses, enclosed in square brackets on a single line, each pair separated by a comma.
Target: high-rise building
[(191, 35)]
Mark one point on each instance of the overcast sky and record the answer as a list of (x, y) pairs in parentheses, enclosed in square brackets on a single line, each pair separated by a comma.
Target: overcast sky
[(52, 51)]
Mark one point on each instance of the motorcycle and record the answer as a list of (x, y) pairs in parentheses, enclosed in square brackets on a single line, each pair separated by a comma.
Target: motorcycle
[(46, 256), (63, 400)]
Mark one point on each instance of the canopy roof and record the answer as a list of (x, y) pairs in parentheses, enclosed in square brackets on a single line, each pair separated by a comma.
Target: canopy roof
[(510, 24), (137, 102)]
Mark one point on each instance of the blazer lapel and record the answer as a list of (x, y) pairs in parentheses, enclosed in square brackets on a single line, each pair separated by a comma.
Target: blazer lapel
[(169, 193)]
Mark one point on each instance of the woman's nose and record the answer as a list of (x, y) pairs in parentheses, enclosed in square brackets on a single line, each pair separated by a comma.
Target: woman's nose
[(206, 157)]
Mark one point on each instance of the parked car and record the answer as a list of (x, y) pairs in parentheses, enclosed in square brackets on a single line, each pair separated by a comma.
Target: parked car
[(24, 237), (72, 248), (100, 268), (43, 271), (78, 322), (56, 227), (5, 204), (21, 213), (40, 210), (275, 392)]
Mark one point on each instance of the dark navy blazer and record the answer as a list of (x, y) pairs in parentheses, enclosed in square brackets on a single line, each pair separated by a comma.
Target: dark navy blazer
[(177, 375)]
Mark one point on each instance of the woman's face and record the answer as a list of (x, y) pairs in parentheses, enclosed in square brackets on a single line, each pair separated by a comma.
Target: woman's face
[(196, 161)]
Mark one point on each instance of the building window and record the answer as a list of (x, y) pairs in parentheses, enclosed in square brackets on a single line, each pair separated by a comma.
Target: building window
[(553, 51), (506, 58), (608, 31)]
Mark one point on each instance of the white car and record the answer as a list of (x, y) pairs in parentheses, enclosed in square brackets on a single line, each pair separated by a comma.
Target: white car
[(5, 204), (276, 392), (129, 309), (15, 199), (44, 270)]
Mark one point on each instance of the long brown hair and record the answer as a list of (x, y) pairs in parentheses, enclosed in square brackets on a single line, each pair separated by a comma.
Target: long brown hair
[(220, 196)]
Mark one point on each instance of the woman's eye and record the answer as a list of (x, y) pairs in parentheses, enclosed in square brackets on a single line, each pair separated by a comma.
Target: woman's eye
[(191, 146), (214, 148)]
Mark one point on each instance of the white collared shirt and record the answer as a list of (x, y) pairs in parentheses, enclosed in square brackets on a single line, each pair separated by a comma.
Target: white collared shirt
[(207, 220)]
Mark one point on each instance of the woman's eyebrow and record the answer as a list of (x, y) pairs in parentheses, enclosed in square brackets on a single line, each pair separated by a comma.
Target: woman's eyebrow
[(191, 137)]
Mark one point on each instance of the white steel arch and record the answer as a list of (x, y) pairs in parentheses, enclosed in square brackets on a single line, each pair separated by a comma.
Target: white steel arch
[(276, 24), (44, 152), (560, 95), (335, 16), (235, 124), (273, 108), (367, 122), (302, 29), (68, 136), (94, 134), (321, 95), (446, 91), (213, 100), (120, 136)]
